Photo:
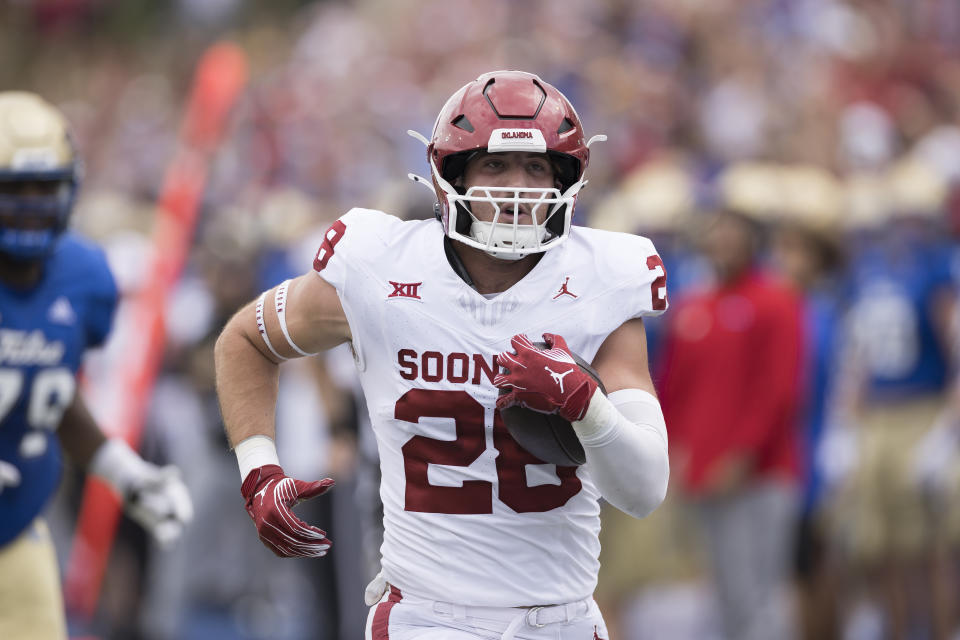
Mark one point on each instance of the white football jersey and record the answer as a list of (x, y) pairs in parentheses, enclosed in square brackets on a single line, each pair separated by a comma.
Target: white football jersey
[(469, 516)]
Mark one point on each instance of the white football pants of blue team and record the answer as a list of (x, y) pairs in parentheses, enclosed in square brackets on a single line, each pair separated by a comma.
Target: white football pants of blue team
[(400, 616)]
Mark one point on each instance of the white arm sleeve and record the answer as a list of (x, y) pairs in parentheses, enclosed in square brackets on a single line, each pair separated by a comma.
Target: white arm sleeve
[(625, 440)]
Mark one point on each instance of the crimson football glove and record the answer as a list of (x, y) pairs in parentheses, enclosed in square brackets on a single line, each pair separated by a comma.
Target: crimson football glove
[(270, 496), (545, 380)]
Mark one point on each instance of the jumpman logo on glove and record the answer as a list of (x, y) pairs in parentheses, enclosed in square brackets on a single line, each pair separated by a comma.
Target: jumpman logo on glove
[(558, 377)]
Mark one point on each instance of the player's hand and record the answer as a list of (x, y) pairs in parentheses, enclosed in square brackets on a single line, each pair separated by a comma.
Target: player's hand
[(271, 496), (153, 496), (375, 590), (158, 501), (545, 380)]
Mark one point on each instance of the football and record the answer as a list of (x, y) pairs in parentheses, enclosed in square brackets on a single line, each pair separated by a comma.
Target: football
[(546, 435)]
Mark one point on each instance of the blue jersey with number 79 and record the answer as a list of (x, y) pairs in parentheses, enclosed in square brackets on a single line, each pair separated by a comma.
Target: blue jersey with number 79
[(44, 331)]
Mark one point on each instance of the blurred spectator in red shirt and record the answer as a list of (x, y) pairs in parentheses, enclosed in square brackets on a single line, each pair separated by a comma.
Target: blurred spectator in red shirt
[(730, 391)]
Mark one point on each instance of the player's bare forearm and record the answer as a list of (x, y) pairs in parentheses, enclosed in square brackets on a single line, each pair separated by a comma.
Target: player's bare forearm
[(78, 433), (249, 350), (247, 382)]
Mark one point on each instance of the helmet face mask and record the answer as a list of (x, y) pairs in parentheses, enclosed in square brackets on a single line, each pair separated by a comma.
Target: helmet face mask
[(38, 176), (505, 111), (503, 236)]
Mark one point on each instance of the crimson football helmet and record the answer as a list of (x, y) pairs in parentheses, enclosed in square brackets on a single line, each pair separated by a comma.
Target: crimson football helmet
[(505, 111)]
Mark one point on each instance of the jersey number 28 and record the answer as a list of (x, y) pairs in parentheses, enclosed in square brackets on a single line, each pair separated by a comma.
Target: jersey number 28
[(475, 496)]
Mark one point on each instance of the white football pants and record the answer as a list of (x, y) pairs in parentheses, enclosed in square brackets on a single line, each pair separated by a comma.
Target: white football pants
[(403, 617)]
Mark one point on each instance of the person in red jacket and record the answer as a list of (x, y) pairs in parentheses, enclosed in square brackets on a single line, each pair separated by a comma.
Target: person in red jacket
[(730, 388)]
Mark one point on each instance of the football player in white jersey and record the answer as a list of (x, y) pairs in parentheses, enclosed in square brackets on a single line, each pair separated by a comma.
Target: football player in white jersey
[(481, 538)]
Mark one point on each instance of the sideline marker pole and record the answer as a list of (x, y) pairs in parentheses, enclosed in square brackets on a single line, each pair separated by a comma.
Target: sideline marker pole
[(219, 80)]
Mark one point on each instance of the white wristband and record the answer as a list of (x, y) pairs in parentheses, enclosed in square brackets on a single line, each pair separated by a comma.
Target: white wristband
[(599, 422), (254, 452), (118, 465)]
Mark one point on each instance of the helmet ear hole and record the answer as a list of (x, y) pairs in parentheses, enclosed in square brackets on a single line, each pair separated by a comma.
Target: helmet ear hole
[(437, 212), (463, 122)]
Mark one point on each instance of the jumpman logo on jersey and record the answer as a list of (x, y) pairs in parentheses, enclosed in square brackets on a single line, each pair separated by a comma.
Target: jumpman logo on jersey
[(564, 291), (558, 377), (596, 634)]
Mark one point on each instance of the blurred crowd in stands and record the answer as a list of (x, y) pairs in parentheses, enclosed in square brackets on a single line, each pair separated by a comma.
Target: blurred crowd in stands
[(810, 147)]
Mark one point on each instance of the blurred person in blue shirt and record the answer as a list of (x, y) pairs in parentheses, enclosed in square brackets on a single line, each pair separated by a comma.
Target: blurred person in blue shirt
[(57, 298), (892, 388)]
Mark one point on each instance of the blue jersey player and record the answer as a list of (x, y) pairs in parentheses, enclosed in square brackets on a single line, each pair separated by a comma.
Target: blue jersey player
[(893, 386), (57, 298)]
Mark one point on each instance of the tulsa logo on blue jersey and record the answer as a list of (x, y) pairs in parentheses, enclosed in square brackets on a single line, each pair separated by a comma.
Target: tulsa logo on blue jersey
[(28, 348)]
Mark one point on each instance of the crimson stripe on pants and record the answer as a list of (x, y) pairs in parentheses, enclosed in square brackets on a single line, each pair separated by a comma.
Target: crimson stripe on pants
[(381, 618)]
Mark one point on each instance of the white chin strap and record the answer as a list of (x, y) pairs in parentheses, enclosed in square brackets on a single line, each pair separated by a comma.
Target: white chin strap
[(505, 240)]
